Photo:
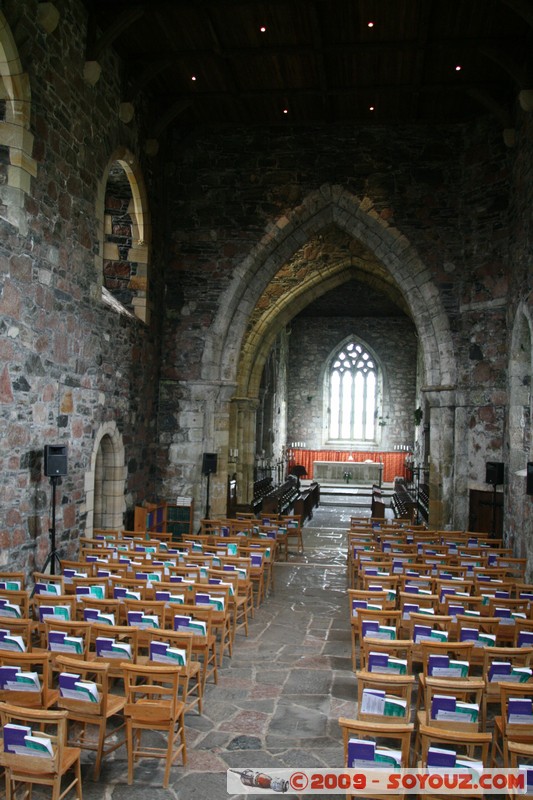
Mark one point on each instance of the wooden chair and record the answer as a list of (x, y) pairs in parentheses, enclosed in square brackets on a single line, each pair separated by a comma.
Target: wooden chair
[(418, 603), (91, 586), (384, 698), (62, 607), (293, 524), (67, 639), (239, 597), (399, 650), (113, 645), (258, 572), (358, 600), (21, 629), (439, 710), (101, 611), (221, 618), (14, 603), (44, 696), (47, 770), (44, 579), (152, 705), (452, 661), (204, 644), (190, 684), (471, 747), (506, 727), (18, 578), (421, 627), (521, 757), (390, 737), (482, 631), (85, 712), (145, 615), (503, 664)]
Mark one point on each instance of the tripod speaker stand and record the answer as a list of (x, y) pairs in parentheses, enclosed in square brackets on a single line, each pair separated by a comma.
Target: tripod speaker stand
[(52, 559)]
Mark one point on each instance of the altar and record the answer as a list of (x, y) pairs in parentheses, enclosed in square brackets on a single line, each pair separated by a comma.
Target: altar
[(359, 472)]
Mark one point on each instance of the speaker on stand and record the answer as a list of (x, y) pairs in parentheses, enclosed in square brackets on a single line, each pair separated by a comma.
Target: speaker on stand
[(209, 466), (55, 467), (494, 473)]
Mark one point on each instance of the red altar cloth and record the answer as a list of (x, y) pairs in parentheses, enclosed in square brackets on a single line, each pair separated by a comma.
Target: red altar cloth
[(393, 462)]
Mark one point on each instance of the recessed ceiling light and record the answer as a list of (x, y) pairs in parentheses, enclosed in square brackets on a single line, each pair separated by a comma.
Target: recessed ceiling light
[(193, 77), (372, 108), (370, 24), (263, 28), (458, 68), (285, 110)]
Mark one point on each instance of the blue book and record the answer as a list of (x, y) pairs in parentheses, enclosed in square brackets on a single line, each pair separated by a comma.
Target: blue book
[(190, 625), (525, 639), (94, 615), (11, 642), (60, 642), (520, 711), (440, 757), (72, 687), (164, 653), (143, 621), (54, 612), (168, 597), (108, 647)]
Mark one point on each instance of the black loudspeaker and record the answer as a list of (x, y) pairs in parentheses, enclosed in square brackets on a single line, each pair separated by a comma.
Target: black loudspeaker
[(529, 477), (55, 460), (494, 473), (209, 463)]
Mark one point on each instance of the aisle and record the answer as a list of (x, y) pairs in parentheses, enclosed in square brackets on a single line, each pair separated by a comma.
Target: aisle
[(278, 699)]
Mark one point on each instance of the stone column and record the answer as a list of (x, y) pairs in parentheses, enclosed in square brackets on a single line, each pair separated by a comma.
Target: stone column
[(204, 419), (441, 401), (243, 425)]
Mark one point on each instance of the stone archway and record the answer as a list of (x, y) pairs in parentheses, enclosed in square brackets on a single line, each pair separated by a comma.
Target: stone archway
[(105, 481), (234, 353)]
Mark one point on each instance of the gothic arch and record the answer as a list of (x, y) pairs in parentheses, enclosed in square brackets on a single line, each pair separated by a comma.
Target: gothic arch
[(16, 139), (330, 204), (141, 230), (105, 481)]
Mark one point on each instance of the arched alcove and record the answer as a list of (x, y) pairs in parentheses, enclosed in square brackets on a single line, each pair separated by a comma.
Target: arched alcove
[(105, 481), (123, 257), (17, 165)]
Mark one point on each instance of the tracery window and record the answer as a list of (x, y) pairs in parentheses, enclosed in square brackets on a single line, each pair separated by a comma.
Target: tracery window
[(352, 394)]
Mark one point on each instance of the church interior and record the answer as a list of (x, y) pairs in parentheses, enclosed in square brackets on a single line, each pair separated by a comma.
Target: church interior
[(260, 259)]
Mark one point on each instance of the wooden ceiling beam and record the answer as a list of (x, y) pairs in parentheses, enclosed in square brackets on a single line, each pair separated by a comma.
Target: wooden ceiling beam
[(97, 43)]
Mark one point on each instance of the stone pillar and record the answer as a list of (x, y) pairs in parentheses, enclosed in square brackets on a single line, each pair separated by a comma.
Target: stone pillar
[(243, 417), (441, 401), (204, 416)]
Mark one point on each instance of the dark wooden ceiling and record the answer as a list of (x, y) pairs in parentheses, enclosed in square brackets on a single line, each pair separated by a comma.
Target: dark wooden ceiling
[(319, 61)]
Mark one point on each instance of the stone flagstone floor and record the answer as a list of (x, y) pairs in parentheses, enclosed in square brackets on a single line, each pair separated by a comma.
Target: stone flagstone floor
[(279, 697)]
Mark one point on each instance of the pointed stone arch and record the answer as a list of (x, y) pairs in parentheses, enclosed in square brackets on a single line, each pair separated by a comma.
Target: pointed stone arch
[(330, 204), (139, 253), (234, 355), (105, 481), (16, 139)]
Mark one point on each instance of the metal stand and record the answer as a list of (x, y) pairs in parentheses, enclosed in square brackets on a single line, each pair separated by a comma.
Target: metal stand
[(53, 557), (207, 496)]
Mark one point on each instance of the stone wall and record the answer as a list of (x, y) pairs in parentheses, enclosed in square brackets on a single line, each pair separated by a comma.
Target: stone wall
[(395, 345), (69, 362)]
